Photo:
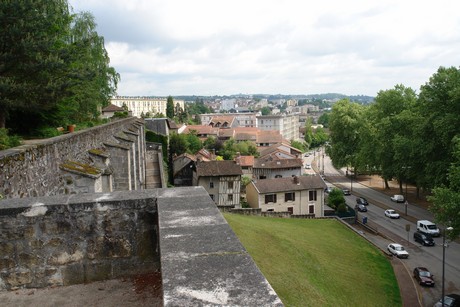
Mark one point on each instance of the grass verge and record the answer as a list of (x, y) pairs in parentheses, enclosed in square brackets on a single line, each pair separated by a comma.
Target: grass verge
[(317, 262)]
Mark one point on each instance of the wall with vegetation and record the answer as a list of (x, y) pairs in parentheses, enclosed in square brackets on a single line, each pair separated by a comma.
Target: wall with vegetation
[(65, 164)]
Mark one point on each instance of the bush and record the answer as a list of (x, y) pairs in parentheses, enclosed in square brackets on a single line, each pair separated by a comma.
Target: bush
[(8, 141)]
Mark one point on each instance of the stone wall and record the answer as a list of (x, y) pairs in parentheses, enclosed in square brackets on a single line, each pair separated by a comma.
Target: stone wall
[(64, 240), (99, 159), (73, 239)]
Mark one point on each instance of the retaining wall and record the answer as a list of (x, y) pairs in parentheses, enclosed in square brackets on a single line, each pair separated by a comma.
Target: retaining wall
[(77, 162)]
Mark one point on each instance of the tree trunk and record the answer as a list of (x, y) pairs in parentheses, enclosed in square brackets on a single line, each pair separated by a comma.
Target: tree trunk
[(387, 186)]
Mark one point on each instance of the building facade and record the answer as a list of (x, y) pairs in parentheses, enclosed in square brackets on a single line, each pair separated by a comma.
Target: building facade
[(287, 125), (141, 105), (297, 195)]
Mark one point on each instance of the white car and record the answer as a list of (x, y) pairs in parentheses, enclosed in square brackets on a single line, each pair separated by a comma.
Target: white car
[(398, 250), (397, 198), (391, 214), (308, 166)]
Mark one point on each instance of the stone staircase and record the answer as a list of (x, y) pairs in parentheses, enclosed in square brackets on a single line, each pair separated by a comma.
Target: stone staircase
[(154, 177)]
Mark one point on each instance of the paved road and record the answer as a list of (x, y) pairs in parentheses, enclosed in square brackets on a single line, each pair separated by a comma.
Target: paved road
[(430, 257)]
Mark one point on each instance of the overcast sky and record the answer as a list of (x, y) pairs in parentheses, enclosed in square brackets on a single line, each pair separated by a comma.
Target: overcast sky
[(217, 47)]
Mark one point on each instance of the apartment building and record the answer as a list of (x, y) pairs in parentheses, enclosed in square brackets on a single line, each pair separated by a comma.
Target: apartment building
[(287, 125), (141, 105)]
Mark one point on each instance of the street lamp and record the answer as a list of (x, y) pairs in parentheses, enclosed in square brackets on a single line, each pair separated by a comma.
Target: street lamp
[(444, 260)]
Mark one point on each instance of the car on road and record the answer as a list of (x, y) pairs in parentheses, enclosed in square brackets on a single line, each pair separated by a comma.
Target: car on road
[(398, 250), (424, 239), (397, 198), (346, 192), (308, 166), (428, 227), (328, 189), (361, 201), (361, 208), (391, 214), (450, 300), (423, 276), (307, 154)]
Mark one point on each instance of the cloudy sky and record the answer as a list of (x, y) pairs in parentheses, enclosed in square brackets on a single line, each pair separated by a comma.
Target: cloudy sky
[(212, 47)]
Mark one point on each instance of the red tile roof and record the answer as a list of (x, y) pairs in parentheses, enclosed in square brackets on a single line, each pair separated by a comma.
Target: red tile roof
[(274, 162), (245, 160), (112, 108)]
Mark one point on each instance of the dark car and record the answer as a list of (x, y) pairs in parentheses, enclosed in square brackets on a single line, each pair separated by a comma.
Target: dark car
[(451, 300), (423, 239), (423, 276), (361, 208), (362, 201), (346, 192)]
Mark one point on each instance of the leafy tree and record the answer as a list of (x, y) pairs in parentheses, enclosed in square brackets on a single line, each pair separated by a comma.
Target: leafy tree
[(246, 148), (170, 108), (194, 142), (319, 137), (299, 145), (308, 132), (213, 144), (345, 120), (324, 119), (32, 42), (439, 103), (446, 199), (178, 144), (335, 199), (265, 111)]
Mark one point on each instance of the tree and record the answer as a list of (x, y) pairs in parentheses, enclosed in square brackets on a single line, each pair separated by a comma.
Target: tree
[(308, 136), (299, 145), (33, 43), (439, 103), (446, 199), (170, 108), (194, 142), (335, 199), (324, 119), (265, 111), (345, 120), (178, 144)]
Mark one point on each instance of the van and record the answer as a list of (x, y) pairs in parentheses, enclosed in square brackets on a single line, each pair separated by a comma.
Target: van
[(428, 228)]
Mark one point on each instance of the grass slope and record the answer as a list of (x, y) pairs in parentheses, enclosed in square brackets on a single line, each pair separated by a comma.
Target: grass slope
[(317, 262)]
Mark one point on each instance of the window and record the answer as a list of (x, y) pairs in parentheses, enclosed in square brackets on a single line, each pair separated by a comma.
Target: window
[(311, 209), (230, 197), (211, 185), (289, 196), (212, 196), (270, 198), (262, 177), (230, 185), (278, 176), (312, 195)]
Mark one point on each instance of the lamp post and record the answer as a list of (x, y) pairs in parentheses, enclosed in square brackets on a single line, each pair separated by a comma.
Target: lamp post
[(444, 260)]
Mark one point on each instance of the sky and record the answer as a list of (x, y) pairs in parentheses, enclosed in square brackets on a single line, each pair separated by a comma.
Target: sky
[(219, 47)]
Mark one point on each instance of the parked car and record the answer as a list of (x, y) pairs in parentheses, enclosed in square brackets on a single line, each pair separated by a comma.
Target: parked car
[(361, 208), (397, 198), (391, 214), (362, 201), (346, 192), (308, 166), (451, 300), (398, 250), (423, 239), (423, 276), (307, 155), (328, 190)]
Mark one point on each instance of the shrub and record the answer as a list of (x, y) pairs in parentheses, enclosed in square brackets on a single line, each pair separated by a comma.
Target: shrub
[(8, 141)]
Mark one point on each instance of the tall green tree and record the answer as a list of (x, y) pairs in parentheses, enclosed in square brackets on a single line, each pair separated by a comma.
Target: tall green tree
[(345, 123), (439, 104), (170, 107), (446, 198), (32, 44)]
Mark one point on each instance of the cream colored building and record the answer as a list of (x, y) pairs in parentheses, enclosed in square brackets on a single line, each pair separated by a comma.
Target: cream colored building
[(287, 125), (297, 195), (141, 105)]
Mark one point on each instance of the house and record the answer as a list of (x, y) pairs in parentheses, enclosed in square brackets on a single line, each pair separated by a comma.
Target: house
[(221, 179), (281, 150), (273, 167), (110, 111), (183, 167), (297, 195), (161, 126), (246, 163)]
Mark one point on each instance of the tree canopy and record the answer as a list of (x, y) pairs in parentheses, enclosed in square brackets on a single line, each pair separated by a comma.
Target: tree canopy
[(54, 69)]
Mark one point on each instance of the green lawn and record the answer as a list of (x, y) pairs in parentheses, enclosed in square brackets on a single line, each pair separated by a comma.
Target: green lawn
[(317, 262)]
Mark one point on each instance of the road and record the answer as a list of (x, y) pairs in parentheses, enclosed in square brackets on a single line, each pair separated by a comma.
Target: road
[(429, 257)]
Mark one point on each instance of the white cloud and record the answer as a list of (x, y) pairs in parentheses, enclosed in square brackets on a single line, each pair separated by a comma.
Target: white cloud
[(206, 47)]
